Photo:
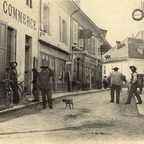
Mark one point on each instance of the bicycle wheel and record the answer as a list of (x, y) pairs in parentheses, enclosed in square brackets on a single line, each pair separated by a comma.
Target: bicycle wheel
[(9, 97)]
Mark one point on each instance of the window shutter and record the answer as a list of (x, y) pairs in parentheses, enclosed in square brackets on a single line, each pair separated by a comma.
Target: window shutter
[(3, 49)]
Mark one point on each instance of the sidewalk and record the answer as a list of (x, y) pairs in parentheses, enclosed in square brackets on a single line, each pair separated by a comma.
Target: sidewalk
[(31, 105)]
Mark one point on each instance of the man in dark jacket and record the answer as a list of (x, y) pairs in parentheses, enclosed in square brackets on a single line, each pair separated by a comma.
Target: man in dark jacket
[(45, 84), (14, 83)]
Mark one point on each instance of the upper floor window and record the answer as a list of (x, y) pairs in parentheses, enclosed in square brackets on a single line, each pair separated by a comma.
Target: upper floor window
[(46, 22), (81, 41), (63, 30), (75, 33), (29, 3)]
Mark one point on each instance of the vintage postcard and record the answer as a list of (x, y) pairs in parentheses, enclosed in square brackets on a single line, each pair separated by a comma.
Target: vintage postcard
[(71, 71)]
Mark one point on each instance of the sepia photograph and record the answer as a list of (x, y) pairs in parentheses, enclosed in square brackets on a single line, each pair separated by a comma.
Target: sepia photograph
[(71, 71)]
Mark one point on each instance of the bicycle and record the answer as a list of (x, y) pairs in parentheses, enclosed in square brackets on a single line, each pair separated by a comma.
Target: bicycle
[(22, 92), (8, 92)]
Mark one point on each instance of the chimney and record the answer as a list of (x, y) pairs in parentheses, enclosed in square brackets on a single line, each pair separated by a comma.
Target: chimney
[(118, 44)]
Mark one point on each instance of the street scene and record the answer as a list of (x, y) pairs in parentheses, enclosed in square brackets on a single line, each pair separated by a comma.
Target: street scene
[(71, 71)]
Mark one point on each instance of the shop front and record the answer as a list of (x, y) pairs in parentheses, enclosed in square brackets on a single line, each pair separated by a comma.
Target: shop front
[(86, 73), (18, 41), (56, 60)]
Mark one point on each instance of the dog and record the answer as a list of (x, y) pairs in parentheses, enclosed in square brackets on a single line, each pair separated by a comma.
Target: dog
[(68, 102)]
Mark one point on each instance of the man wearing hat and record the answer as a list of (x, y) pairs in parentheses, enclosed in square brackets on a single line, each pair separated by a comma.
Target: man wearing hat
[(13, 78), (45, 85), (116, 78), (133, 86)]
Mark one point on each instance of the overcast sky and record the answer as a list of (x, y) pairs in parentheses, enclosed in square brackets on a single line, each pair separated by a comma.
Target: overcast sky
[(114, 16)]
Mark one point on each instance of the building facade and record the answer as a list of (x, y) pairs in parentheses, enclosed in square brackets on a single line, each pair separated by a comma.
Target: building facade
[(19, 22), (54, 39), (87, 40), (126, 53), (53, 32)]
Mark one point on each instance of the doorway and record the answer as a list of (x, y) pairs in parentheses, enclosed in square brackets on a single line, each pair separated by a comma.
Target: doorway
[(28, 63), (11, 45)]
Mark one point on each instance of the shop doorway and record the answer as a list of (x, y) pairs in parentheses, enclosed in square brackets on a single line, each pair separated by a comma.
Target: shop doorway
[(11, 45), (28, 63)]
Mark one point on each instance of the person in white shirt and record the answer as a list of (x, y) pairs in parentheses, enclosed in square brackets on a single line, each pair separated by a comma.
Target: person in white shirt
[(116, 80), (133, 86)]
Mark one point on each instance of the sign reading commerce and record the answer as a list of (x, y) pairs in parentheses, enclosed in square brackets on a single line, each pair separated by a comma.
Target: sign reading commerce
[(18, 15)]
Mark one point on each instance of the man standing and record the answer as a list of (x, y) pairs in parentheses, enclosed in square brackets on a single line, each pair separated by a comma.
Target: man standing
[(105, 82), (116, 79), (13, 79), (133, 86), (45, 85)]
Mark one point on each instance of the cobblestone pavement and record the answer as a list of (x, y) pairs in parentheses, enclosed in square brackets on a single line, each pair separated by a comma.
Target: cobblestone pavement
[(92, 121)]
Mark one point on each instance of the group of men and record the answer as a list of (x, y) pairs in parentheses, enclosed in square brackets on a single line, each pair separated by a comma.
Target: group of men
[(116, 79)]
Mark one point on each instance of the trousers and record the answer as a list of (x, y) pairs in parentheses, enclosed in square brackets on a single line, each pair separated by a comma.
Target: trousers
[(133, 92), (115, 89), (47, 97)]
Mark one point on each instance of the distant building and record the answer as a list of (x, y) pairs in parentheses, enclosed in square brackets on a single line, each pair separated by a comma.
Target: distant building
[(87, 45), (125, 53)]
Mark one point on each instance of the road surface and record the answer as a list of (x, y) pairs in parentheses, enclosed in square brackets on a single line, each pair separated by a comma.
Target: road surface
[(92, 121)]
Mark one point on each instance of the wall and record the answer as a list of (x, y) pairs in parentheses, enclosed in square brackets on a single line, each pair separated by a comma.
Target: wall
[(23, 27), (53, 38)]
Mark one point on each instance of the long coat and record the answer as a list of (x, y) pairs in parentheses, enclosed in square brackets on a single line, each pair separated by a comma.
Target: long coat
[(44, 79)]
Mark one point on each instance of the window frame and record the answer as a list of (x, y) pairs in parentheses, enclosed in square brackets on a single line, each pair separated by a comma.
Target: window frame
[(29, 3)]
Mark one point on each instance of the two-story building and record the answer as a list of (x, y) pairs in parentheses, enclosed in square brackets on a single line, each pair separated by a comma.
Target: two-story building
[(70, 41), (87, 42), (54, 38), (19, 21)]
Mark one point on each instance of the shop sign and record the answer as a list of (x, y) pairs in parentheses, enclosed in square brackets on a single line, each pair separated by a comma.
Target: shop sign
[(136, 49), (18, 15)]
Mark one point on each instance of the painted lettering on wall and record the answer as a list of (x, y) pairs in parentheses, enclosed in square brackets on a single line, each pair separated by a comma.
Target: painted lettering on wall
[(18, 15)]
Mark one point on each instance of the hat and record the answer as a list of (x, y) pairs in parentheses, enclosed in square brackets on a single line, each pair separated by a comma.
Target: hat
[(13, 63), (115, 68), (133, 67)]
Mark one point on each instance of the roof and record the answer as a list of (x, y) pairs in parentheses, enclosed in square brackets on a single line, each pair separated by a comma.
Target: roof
[(116, 54)]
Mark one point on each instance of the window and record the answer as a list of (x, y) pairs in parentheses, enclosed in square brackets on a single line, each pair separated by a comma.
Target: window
[(75, 32), (63, 30), (46, 19), (81, 41), (93, 45), (29, 3)]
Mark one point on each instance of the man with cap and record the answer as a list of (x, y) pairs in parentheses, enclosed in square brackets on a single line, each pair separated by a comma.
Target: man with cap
[(133, 86), (45, 85), (116, 79), (13, 78)]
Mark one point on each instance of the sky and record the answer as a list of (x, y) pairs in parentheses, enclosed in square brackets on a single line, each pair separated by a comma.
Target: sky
[(114, 16)]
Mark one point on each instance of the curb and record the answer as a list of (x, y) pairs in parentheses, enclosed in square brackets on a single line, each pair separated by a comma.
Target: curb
[(79, 93), (33, 106)]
